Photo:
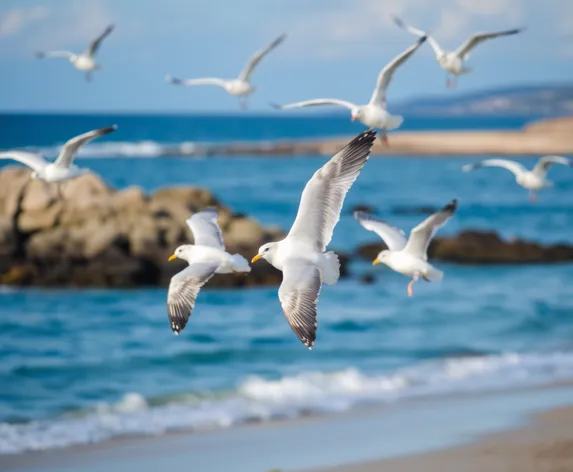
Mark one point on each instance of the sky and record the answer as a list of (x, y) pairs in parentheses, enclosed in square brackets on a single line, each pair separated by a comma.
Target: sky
[(334, 49)]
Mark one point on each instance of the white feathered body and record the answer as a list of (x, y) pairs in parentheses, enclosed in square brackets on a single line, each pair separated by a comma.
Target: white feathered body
[(53, 173), (409, 265), (532, 181), (84, 62), (452, 63), (375, 116), (228, 263), (295, 248), (239, 87)]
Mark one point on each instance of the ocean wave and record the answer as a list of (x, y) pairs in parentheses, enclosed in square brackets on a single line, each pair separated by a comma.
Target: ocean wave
[(127, 149), (258, 400)]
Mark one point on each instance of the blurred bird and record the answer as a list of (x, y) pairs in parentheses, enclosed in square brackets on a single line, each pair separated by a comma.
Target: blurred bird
[(409, 256), (63, 168), (84, 61), (453, 61), (206, 258), (533, 180), (302, 255), (239, 86), (374, 113)]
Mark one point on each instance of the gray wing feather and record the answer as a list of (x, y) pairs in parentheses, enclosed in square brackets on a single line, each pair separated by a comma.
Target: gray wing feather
[(422, 234), (206, 231), (66, 156), (464, 50), (247, 71), (95, 44), (546, 162), (298, 295), (183, 290), (394, 237), (323, 195)]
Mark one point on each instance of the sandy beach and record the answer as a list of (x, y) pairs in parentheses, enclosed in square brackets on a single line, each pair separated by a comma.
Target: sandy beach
[(365, 439)]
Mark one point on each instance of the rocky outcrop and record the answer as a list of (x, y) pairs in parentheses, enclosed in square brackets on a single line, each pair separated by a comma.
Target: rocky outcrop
[(484, 247), (97, 236)]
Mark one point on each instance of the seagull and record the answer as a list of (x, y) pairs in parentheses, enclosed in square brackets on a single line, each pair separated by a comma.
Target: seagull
[(301, 255), (533, 180), (453, 61), (409, 256), (63, 168), (84, 61), (239, 86), (206, 258), (374, 113)]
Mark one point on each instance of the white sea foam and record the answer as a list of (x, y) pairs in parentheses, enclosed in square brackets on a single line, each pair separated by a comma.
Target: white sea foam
[(126, 149), (258, 399)]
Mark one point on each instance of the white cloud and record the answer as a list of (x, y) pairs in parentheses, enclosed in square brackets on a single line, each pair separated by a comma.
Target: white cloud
[(17, 19)]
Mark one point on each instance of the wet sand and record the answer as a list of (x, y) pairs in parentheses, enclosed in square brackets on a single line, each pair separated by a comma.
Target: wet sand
[(545, 444)]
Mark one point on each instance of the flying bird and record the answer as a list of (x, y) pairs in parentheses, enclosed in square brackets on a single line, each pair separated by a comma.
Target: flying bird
[(533, 180), (240, 86), (302, 255), (63, 168), (206, 257), (453, 62), (409, 256), (84, 61), (374, 113)]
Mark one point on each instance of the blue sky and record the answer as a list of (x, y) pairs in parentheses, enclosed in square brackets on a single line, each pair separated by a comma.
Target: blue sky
[(334, 48)]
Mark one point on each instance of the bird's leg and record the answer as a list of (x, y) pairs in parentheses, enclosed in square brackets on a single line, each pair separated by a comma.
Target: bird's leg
[(454, 82), (243, 105), (410, 285), (532, 196), (384, 138), (447, 80), (88, 77)]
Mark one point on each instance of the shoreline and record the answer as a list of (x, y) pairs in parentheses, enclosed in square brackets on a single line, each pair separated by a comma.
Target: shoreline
[(363, 437)]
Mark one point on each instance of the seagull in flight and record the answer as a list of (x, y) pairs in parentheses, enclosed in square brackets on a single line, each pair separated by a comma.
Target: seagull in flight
[(302, 255), (374, 114), (533, 180), (84, 61), (206, 258), (409, 256), (453, 62), (240, 86), (63, 168)]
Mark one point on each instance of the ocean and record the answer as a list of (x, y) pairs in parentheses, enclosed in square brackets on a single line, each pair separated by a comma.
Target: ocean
[(84, 366)]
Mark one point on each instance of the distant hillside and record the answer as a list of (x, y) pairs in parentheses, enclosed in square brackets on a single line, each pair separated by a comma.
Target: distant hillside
[(549, 100)]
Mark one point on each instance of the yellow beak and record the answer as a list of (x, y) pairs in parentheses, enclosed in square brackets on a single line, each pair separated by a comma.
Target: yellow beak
[(172, 258), (255, 259), (376, 261)]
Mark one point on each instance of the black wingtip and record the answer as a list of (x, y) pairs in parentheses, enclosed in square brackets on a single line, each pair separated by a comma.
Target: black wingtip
[(366, 136), (422, 39), (397, 21), (276, 106), (451, 207), (108, 129), (40, 55)]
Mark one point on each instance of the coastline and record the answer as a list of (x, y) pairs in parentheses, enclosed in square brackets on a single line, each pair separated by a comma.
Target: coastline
[(368, 438)]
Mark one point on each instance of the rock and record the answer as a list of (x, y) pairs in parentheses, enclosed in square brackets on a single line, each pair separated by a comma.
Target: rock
[(243, 232), (369, 251), (38, 196), (86, 191), (487, 247), (192, 198), (130, 199), (13, 181), (35, 220)]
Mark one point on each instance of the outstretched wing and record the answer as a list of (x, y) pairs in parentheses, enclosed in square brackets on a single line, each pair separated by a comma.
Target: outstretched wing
[(394, 237), (422, 234), (417, 32), (193, 82), (66, 156), (512, 166), (385, 75), (183, 290), (205, 229), (298, 295), (247, 71), (546, 162), (464, 50), (31, 159), (43, 55), (317, 102), (95, 44), (323, 195)]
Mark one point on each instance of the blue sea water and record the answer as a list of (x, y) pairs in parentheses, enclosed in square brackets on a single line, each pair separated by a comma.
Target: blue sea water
[(82, 366)]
